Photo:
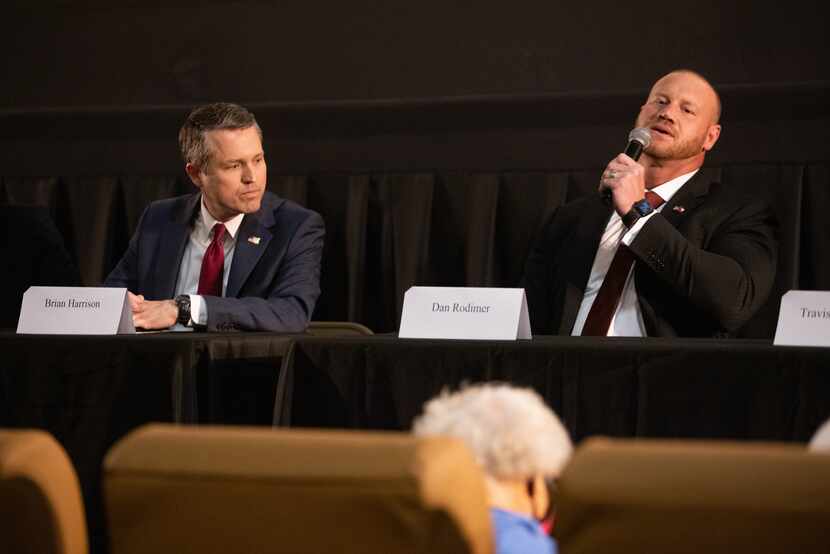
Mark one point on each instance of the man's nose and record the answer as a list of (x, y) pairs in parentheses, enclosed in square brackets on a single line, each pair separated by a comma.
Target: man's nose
[(247, 173), (666, 113)]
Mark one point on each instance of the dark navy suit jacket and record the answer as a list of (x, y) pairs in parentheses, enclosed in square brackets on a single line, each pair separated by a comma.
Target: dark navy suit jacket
[(274, 282)]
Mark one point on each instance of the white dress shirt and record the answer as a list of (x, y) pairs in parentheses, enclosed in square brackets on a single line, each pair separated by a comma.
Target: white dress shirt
[(191, 266), (628, 318)]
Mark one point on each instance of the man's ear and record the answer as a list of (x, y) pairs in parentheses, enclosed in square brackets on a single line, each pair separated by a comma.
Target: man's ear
[(712, 135), (194, 173), (539, 497)]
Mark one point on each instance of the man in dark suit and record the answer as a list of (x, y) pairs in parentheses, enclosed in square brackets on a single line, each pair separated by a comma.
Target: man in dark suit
[(673, 253), (35, 254), (231, 256)]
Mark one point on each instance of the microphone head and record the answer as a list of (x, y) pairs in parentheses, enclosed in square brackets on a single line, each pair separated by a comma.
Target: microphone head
[(641, 135)]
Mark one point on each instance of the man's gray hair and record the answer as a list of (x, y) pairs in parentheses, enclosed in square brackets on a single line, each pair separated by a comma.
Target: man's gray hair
[(511, 431), (211, 117)]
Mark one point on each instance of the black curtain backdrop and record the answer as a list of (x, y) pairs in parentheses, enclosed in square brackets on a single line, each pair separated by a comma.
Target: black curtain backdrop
[(389, 231), (149, 53), (433, 140)]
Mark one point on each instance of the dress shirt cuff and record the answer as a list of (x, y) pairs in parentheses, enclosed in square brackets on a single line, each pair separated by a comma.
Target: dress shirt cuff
[(198, 310), (631, 234)]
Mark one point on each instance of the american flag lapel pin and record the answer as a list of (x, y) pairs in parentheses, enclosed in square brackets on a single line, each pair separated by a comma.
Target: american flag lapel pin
[(254, 240), (679, 209)]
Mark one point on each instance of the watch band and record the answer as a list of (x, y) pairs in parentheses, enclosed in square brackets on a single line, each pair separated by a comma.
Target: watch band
[(639, 209), (630, 218), (183, 303)]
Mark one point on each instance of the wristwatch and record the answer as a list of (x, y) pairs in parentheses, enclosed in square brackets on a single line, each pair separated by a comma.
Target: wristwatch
[(641, 208), (183, 303)]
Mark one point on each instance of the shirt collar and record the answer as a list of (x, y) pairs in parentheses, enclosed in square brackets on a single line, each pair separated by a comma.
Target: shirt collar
[(207, 221), (670, 188)]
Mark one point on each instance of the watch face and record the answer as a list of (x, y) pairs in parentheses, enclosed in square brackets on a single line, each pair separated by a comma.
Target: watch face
[(643, 207), (183, 303)]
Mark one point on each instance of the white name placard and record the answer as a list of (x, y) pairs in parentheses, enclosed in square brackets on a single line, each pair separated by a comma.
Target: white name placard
[(804, 319), (75, 311), (464, 313)]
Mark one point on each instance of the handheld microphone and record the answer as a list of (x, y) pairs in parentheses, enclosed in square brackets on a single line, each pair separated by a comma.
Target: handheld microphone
[(638, 140)]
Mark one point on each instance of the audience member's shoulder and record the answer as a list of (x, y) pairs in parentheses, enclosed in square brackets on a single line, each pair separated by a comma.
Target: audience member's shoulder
[(516, 533)]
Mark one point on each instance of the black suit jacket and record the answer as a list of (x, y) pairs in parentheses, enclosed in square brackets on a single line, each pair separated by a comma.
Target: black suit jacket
[(274, 279), (34, 253), (701, 271)]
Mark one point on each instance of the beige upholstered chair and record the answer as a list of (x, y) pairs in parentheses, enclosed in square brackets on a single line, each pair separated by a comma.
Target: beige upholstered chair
[(694, 497), (225, 489), (41, 509)]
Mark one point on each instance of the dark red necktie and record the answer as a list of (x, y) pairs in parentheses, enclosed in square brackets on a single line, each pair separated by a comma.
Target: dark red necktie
[(210, 279), (605, 304)]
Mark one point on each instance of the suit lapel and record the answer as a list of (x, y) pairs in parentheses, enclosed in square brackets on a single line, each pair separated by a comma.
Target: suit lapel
[(173, 239), (579, 259), (251, 242), (690, 196)]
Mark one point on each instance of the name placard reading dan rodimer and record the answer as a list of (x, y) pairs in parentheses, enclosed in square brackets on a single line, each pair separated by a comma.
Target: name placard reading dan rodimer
[(473, 313)]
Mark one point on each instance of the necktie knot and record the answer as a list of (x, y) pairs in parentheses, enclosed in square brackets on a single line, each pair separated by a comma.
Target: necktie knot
[(218, 232), (654, 199)]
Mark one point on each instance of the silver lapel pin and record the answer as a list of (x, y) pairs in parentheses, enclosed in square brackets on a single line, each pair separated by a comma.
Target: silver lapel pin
[(254, 240), (679, 209)]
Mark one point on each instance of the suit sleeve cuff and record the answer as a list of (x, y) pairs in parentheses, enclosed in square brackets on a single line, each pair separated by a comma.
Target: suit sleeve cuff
[(198, 310), (629, 235)]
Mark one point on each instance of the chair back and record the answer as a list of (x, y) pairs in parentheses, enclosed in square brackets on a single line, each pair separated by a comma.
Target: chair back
[(223, 489), (337, 329), (41, 509), (691, 497)]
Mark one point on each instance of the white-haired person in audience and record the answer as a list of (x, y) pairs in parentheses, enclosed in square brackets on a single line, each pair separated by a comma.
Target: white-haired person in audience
[(821, 440), (519, 442)]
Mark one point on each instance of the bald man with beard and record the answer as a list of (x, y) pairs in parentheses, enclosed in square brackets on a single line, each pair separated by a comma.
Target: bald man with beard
[(683, 254)]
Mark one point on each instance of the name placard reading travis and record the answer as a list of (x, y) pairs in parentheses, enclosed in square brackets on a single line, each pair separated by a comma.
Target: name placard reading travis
[(804, 319), (464, 313), (75, 311)]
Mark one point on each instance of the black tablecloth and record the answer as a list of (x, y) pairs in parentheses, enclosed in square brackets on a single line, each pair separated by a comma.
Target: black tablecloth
[(740, 389), (88, 391)]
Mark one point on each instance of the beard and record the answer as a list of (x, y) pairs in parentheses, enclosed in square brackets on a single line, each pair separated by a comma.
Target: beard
[(677, 149)]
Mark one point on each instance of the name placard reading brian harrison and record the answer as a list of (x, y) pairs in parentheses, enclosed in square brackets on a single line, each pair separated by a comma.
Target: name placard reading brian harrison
[(804, 319), (75, 311), (464, 313)]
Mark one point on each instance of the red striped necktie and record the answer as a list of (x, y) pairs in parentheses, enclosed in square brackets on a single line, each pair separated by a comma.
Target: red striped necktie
[(605, 304)]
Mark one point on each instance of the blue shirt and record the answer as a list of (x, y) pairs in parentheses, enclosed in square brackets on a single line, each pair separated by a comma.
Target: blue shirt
[(519, 534)]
